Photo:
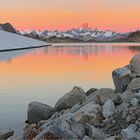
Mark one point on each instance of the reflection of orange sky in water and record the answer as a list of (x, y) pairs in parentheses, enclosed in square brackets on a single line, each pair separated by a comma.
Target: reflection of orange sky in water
[(48, 67)]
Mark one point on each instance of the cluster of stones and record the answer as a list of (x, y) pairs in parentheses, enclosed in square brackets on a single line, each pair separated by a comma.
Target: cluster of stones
[(98, 114)]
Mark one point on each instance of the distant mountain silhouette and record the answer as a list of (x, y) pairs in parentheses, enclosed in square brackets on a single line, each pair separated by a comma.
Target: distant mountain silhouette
[(9, 28), (81, 34), (134, 37)]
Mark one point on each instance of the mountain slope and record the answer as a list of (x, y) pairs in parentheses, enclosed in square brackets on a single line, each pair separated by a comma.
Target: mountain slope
[(134, 37), (9, 28)]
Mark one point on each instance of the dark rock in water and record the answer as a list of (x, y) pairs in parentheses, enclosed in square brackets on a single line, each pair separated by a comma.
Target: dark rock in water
[(91, 91), (5, 134), (38, 111), (76, 95), (121, 78)]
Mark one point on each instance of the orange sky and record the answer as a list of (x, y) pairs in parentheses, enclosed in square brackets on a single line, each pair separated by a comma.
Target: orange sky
[(117, 15)]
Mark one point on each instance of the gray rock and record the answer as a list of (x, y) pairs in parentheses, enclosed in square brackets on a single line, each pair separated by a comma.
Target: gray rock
[(108, 109), (130, 133), (38, 111), (91, 91), (63, 127), (135, 64), (89, 113), (95, 133), (87, 138), (134, 102), (117, 99), (121, 78), (76, 95), (123, 109), (114, 138), (5, 134), (100, 96), (135, 84), (127, 95)]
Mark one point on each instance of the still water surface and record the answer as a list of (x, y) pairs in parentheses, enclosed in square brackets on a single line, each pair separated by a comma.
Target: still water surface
[(45, 74)]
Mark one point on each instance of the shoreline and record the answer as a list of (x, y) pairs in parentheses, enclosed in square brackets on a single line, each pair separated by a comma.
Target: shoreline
[(101, 114)]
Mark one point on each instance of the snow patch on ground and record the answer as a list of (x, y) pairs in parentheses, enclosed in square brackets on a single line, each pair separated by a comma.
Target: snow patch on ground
[(15, 41)]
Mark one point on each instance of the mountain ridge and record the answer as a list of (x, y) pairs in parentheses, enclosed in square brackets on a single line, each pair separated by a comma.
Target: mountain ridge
[(81, 34)]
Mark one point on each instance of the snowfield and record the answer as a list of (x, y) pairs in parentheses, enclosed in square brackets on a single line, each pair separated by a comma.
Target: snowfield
[(11, 41)]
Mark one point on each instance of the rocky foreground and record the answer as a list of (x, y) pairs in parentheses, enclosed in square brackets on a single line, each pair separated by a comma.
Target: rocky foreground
[(98, 114)]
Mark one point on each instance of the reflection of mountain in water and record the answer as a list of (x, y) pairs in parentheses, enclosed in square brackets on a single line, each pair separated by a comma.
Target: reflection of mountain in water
[(9, 55), (85, 50), (134, 48)]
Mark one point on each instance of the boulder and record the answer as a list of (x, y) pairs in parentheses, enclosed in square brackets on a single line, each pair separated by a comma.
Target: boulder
[(87, 138), (76, 95), (62, 127), (114, 138), (30, 131), (134, 102), (38, 111), (134, 84), (89, 113), (100, 96), (130, 133), (117, 99), (95, 133), (135, 64), (5, 134), (108, 109), (127, 95), (121, 78), (91, 91)]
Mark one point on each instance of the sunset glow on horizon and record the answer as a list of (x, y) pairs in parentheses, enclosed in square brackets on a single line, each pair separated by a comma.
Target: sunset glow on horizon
[(116, 15)]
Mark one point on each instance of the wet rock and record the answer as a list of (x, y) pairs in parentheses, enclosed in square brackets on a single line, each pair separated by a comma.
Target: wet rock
[(76, 95), (5, 134), (121, 78), (135, 64), (100, 96), (91, 91), (89, 113), (95, 133), (135, 84), (38, 111), (108, 109), (130, 133)]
